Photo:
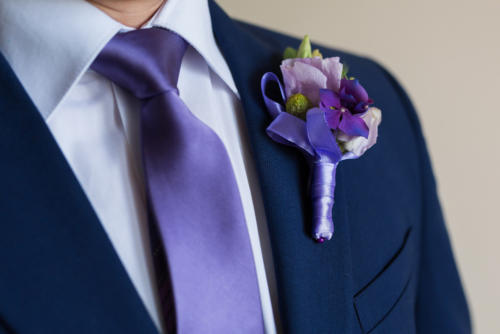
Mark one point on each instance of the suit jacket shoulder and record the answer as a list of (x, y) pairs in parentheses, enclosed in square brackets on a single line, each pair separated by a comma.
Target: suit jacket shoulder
[(404, 276)]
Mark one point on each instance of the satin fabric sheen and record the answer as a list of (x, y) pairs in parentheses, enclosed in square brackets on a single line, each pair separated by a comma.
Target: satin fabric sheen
[(314, 138), (191, 188)]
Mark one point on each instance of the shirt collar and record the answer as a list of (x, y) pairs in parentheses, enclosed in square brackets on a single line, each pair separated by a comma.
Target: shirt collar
[(51, 43), (191, 19)]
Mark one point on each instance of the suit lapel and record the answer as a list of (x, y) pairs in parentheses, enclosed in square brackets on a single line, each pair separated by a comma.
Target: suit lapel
[(314, 281), (59, 269)]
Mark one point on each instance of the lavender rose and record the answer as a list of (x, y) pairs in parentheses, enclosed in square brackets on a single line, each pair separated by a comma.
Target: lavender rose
[(308, 75)]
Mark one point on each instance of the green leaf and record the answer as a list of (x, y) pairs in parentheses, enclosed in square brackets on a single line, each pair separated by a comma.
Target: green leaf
[(305, 48), (289, 53), (345, 69)]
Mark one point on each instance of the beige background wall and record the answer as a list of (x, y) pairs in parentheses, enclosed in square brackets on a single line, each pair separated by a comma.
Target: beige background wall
[(446, 53)]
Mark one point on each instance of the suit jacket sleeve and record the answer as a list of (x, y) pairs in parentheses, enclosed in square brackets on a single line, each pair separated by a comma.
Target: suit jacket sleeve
[(441, 304)]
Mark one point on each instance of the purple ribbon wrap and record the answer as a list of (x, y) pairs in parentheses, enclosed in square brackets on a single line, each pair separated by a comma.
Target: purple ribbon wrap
[(317, 142)]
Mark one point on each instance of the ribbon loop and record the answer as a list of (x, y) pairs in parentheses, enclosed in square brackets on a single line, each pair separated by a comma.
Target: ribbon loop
[(321, 137), (273, 107), (289, 130)]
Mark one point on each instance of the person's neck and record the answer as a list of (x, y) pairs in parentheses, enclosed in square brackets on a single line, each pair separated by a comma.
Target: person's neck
[(132, 13)]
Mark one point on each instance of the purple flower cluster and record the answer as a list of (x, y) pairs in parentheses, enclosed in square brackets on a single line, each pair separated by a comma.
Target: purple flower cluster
[(343, 109), (344, 101)]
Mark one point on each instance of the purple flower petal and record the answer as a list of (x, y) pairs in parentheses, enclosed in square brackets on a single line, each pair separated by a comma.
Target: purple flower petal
[(329, 99), (361, 107), (353, 125), (333, 118), (303, 78), (308, 75), (332, 68), (359, 145), (354, 88), (348, 100)]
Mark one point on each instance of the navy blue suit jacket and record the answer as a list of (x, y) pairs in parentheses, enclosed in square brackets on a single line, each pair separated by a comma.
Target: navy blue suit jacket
[(388, 269)]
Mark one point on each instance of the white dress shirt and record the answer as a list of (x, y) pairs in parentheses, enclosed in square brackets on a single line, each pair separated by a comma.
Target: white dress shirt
[(50, 44)]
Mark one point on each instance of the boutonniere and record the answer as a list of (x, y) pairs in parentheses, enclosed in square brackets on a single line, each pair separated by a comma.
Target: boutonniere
[(324, 113)]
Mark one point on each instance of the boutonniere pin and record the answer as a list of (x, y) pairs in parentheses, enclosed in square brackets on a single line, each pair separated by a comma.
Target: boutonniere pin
[(325, 114)]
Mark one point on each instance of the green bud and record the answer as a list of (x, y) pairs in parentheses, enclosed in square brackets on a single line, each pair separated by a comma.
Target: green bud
[(345, 69), (305, 48), (298, 105), (316, 53), (289, 53)]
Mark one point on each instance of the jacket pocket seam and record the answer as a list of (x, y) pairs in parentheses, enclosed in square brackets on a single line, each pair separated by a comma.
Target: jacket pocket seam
[(375, 301)]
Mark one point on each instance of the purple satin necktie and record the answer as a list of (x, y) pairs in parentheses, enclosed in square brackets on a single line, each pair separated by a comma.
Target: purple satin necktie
[(191, 188)]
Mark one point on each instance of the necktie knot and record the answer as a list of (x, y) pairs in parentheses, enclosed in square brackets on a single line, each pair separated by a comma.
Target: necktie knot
[(145, 62)]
